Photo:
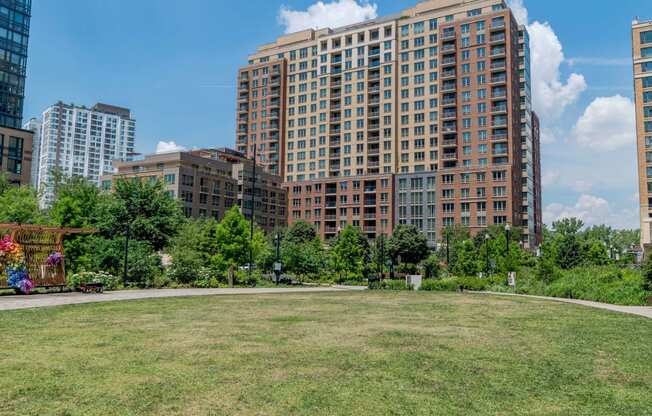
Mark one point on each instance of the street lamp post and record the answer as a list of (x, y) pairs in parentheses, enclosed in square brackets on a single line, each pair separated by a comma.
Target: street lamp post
[(448, 253), (508, 228), (277, 265), (487, 237), (253, 203), (126, 257)]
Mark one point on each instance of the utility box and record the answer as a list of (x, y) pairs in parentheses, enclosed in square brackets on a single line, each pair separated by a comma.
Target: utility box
[(414, 281)]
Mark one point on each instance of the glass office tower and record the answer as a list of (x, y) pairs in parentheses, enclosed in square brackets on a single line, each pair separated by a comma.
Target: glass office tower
[(14, 36)]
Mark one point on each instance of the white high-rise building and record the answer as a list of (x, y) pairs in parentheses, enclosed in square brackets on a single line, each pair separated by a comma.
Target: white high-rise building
[(83, 141), (34, 124)]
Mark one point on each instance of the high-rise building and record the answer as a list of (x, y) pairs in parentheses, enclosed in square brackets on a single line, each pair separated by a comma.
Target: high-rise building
[(208, 182), (83, 141), (16, 155), (34, 125), (642, 56), (441, 87), (14, 37)]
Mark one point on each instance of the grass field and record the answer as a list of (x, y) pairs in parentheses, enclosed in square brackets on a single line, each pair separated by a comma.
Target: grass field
[(352, 353)]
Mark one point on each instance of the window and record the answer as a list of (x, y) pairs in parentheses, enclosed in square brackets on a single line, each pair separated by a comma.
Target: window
[(647, 82), (646, 67), (646, 52), (646, 37)]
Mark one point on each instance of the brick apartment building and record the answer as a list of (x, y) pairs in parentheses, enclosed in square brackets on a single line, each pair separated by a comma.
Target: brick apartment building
[(441, 88)]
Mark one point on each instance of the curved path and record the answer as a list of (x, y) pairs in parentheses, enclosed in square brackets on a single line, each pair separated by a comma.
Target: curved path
[(57, 299), (645, 311)]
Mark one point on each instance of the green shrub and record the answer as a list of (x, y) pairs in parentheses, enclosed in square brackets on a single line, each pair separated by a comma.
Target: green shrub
[(602, 284), (110, 282), (442, 285), (473, 283), (390, 285)]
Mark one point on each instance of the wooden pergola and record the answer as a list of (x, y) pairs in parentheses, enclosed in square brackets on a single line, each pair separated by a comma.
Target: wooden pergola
[(38, 243)]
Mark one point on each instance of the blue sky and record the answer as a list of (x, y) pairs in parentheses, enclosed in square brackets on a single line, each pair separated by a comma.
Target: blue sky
[(174, 63)]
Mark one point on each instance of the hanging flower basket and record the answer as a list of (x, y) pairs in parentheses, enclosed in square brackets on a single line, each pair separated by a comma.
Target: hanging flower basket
[(13, 267), (54, 259)]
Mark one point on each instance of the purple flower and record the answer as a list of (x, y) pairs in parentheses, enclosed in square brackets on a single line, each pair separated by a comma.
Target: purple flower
[(54, 259)]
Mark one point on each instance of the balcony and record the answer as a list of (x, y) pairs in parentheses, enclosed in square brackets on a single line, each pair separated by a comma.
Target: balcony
[(374, 125), (449, 115), (448, 47), (499, 93), (499, 109), (500, 79), (373, 76), (499, 138), (499, 122), (373, 101), (448, 34), (449, 127), (497, 38), (497, 24), (449, 101), (371, 164), (499, 152), (497, 52), (498, 65), (448, 61), (448, 73), (373, 151), (373, 90), (449, 86), (449, 156), (369, 229), (449, 142), (373, 114), (244, 86), (243, 97), (374, 51)]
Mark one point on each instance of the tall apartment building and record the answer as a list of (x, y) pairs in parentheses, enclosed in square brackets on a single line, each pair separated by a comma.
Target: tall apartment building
[(14, 36), (642, 56), (83, 142), (34, 125), (209, 182), (15, 143), (440, 87), (16, 155)]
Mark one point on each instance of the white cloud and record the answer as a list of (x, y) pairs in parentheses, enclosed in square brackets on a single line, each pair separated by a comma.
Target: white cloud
[(520, 11), (592, 210), (550, 96), (547, 135), (581, 186), (168, 147), (320, 15), (600, 61), (608, 123), (549, 178)]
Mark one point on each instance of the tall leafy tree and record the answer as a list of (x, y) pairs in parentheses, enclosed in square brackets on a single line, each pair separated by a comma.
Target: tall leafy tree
[(350, 253), (233, 241), (302, 251), (144, 206), (408, 244), (19, 204)]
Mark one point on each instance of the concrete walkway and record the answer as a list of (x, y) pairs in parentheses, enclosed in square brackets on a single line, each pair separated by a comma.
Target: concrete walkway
[(57, 299), (645, 311)]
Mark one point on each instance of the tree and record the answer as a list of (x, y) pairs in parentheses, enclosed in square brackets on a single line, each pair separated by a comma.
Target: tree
[(431, 267), (76, 202), (145, 207), (467, 262), (300, 232), (451, 238), (19, 204), (566, 245), (350, 253), (408, 244), (233, 241)]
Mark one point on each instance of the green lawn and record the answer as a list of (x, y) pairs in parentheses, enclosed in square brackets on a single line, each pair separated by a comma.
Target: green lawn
[(353, 353)]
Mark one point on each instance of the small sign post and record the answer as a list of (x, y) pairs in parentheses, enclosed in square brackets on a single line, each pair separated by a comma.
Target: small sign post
[(511, 280)]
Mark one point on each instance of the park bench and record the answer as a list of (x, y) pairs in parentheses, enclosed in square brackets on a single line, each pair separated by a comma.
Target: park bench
[(92, 287)]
